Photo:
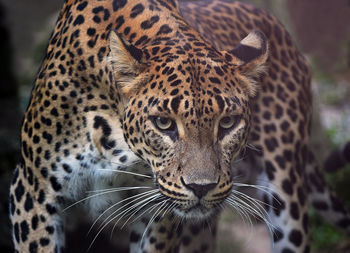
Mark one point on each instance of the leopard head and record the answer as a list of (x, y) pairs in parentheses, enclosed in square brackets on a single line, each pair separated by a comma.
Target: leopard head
[(185, 110)]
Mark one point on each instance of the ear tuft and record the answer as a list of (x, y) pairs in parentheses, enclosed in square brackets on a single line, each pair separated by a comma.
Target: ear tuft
[(126, 61), (251, 55), (123, 51), (252, 47)]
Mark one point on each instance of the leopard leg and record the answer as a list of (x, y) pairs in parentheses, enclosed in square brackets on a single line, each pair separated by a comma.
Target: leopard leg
[(37, 227), (280, 185), (287, 210), (283, 192), (199, 237), (169, 234), (159, 235)]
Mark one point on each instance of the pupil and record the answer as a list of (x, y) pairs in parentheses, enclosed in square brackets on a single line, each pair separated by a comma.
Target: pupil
[(226, 120), (163, 120)]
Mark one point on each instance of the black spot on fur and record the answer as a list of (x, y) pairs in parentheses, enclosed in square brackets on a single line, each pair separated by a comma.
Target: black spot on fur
[(175, 103), (54, 183), (294, 210), (44, 241), (270, 170), (134, 237), (136, 10), (79, 20), (296, 237), (28, 204), (147, 24), (287, 187), (33, 247), (35, 221), (220, 102), (101, 122), (24, 231), (278, 204), (51, 209), (286, 250), (41, 197), (277, 235), (50, 229), (160, 246), (118, 4), (164, 29), (19, 191)]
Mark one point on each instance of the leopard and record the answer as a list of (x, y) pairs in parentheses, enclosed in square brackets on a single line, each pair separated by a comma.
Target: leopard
[(151, 115)]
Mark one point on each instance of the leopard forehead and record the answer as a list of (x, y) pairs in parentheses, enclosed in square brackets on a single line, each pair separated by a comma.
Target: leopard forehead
[(185, 88)]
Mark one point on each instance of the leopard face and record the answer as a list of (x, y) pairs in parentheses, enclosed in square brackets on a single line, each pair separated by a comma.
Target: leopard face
[(189, 119)]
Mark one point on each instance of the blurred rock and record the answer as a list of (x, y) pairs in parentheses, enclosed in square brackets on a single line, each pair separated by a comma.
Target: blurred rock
[(9, 130), (30, 23), (322, 26)]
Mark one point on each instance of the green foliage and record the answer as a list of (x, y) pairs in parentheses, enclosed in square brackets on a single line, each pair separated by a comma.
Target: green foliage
[(324, 236), (340, 183), (332, 136)]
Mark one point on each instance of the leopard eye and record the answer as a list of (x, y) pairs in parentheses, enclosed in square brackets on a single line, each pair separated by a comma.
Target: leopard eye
[(163, 123), (166, 125), (228, 122)]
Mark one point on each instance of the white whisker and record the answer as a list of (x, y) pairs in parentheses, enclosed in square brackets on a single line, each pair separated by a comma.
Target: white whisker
[(241, 211), (253, 207), (152, 219), (170, 207), (105, 192), (106, 222), (149, 209), (126, 172), (262, 188), (122, 189), (247, 197), (141, 204), (250, 209), (127, 204), (137, 196), (252, 147)]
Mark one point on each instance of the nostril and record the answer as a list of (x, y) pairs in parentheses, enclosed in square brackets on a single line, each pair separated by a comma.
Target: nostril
[(199, 190)]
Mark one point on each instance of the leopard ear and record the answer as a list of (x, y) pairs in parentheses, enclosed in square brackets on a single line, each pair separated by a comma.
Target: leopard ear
[(251, 55), (128, 66)]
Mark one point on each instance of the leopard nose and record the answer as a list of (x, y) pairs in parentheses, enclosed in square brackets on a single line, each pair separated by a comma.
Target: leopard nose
[(200, 190)]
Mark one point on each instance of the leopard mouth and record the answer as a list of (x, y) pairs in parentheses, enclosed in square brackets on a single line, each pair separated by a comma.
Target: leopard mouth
[(189, 206), (196, 211)]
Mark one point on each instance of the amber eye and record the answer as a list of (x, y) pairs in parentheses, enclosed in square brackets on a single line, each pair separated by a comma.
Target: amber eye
[(228, 123), (166, 125), (163, 123)]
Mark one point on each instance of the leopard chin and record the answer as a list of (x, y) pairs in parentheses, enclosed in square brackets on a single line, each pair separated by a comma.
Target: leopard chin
[(197, 212)]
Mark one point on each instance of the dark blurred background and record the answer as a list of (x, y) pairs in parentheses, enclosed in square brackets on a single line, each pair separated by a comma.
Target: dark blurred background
[(321, 29)]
